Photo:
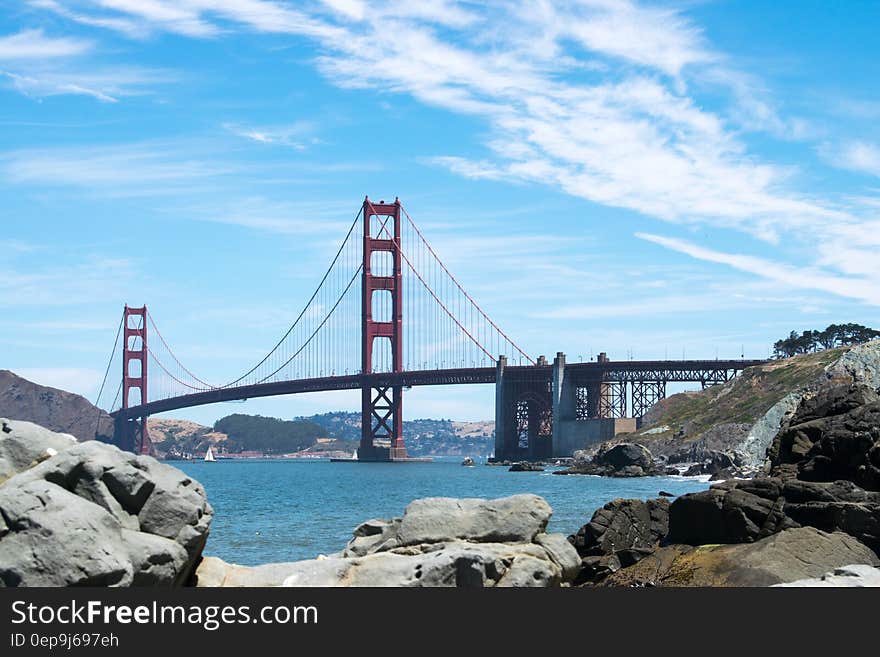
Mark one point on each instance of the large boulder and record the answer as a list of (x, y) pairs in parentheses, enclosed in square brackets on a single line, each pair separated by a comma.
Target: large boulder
[(95, 515), (458, 563), (518, 518), (787, 556), (438, 542), (24, 445)]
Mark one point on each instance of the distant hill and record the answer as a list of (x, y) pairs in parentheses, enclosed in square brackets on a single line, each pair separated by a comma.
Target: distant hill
[(175, 438), (268, 434), (424, 437), (52, 408), (239, 433)]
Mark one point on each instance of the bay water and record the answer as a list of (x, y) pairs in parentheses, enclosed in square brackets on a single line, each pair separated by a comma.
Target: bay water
[(286, 510)]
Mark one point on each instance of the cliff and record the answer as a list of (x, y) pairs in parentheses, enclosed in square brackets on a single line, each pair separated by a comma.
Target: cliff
[(54, 409)]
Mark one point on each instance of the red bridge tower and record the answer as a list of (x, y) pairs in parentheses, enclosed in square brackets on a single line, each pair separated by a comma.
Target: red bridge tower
[(381, 402), (134, 349)]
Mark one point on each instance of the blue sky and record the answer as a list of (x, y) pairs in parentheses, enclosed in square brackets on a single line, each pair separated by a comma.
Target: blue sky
[(640, 178)]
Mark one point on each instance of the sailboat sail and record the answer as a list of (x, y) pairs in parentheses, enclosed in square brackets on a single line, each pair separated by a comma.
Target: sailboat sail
[(209, 455)]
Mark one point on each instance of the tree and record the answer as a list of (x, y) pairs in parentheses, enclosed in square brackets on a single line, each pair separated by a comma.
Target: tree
[(834, 335)]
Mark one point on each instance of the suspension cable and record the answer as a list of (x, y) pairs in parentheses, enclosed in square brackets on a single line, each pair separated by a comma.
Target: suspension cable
[(320, 326), (171, 353), (458, 285), (110, 362), (164, 369), (305, 308), (431, 292)]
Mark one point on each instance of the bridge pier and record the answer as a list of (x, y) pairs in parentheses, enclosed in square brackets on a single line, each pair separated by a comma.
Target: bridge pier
[(553, 411), (523, 412), (131, 434)]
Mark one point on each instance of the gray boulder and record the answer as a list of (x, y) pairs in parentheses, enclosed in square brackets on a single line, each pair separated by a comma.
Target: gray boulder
[(24, 445), (93, 514), (518, 518), (456, 564)]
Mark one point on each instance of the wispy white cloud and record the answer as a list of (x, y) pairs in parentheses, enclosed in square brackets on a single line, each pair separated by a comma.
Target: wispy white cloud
[(127, 169), (593, 97), (810, 278), (297, 135), (54, 85), (131, 28), (66, 284), (34, 44), (859, 156)]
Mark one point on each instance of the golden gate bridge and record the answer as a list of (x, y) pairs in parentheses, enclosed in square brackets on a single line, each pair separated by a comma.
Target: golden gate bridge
[(386, 315)]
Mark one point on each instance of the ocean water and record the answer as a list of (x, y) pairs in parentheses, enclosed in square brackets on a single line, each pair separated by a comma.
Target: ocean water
[(285, 510)]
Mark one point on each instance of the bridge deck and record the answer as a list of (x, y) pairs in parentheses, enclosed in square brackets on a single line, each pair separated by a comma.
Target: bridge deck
[(658, 370)]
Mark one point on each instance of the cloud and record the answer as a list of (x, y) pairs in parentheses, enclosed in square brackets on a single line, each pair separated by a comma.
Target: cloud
[(858, 156), (54, 86), (34, 44), (123, 169), (810, 278), (596, 98), (295, 135), (66, 285)]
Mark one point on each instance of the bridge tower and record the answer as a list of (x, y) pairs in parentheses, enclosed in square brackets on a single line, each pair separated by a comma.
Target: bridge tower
[(134, 432), (381, 402)]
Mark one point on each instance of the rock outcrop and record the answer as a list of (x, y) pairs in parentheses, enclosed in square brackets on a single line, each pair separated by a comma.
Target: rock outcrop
[(617, 460), (91, 514), (469, 543), (54, 409)]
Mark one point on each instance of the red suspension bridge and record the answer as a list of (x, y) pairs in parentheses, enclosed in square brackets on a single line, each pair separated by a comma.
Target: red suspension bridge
[(386, 315)]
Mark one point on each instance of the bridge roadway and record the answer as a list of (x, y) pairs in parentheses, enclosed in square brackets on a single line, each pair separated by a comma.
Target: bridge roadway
[(701, 371)]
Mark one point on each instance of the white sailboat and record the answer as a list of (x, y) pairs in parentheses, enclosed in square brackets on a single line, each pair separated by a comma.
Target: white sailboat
[(209, 456)]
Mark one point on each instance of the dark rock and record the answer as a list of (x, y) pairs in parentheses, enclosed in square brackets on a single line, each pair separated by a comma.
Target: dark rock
[(618, 460), (712, 463), (627, 530), (724, 475), (624, 455), (526, 466), (726, 514), (834, 435), (664, 493)]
